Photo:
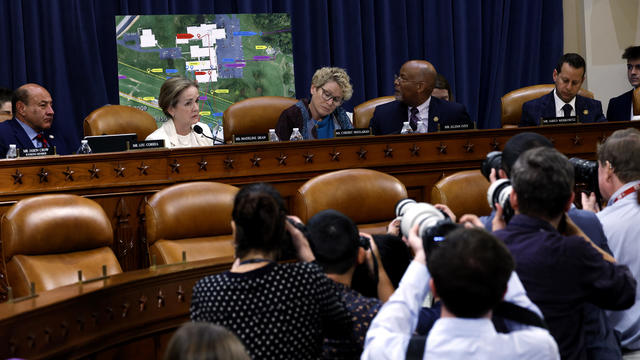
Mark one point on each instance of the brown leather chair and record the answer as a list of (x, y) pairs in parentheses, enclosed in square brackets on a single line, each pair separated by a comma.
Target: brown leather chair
[(4, 117), (192, 217), (119, 119), (254, 115), (368, 197), (363, 113), (512, 101), (46, 239), (464, 192)]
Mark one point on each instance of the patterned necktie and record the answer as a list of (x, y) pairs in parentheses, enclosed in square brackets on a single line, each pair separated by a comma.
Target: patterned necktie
[(567, 110), (413, 119), (43, 140)]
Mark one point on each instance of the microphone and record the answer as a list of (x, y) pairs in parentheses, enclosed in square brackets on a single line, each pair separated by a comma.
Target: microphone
[(198, 130)]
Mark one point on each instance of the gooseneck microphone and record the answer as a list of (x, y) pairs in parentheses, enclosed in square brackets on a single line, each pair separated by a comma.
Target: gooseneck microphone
[(198, 130)]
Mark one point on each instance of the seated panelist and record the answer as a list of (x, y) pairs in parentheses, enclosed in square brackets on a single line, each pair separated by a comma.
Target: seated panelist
[(413, 89), (442, 89), (179, 98), (320, 116), (621, 107)]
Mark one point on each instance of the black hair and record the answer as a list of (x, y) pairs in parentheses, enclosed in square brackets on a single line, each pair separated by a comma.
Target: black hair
[(334, 239), (259, 214), (442, 83), (543, 179), (518, 144), (574, 60), (631, 53), (470, 271)]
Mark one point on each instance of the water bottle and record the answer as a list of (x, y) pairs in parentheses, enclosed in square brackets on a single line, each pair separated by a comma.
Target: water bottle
[(84, 147), (273, 137), (422, 127), (295, 135), (406, 128), (12, 153)]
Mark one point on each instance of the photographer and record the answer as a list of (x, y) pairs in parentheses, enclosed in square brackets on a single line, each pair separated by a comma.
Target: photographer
[(561, 269), (472, 271), (619, 179)]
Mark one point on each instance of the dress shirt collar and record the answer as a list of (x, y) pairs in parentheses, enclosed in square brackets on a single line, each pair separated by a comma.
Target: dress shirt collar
[(30, 133), (423, 110), (620, 191), (463, 327), (560, 104)]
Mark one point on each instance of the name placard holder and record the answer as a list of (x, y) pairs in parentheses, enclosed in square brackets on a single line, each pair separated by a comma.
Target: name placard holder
[(353, 132), (239, 139), (457, 127), (145, 144), (37, 152), (560, 120)]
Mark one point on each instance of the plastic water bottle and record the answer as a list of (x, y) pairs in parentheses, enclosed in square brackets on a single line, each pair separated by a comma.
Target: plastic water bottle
[(406, 128), (422, 127), (295, 135), (12, 153), (84, 147), (273, 137)]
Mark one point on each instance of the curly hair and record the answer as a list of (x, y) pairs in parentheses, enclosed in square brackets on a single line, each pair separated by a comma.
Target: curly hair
[(339, 75)]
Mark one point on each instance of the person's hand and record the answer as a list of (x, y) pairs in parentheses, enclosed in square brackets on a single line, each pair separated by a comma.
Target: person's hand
[(300, 242), (394, 227), (370, 254), (498, 222), (414, 242), (444, 208), (493, 176), (470, 221), (589, 202)]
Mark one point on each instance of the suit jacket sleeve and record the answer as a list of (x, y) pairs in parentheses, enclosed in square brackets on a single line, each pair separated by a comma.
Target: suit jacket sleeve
[(528, 118), (374, 123), (599, 115)]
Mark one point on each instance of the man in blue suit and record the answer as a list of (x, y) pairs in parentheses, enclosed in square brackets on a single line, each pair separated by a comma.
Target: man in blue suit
[(564, 99), (414, 103), (621, 108), (31, 126)]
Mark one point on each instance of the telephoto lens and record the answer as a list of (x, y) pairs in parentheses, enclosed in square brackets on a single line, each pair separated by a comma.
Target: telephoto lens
[(499, 192)]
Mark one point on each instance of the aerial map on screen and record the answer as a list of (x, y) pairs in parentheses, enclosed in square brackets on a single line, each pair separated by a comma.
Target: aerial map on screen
[(233, 57)]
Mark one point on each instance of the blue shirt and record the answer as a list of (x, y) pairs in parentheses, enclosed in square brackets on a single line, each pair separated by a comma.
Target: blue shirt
[(31, 134), (324, 128)]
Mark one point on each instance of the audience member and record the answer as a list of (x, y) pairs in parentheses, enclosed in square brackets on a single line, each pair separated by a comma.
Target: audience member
[(320, 116), (561, 269), (204, 341), (179, 98), (564, 99), (619, 178), (621, 107), (441, 89), (414, 103), (30, 128), (471, 271), (5, 104), (279, 311)]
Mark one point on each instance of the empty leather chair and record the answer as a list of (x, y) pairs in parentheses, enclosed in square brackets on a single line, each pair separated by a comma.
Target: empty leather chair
[(46, 239), (192, 217), (363, 113), (119, 119), (512, 101), (368, 197), (464, 192), (254, 115)]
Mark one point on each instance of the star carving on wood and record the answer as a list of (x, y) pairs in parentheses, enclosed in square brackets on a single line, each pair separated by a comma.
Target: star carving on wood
[(282, 159), (495, 145), (68, 174), (255, 160), (335, 155), (602, 138), (415, 150), (553, 141), (442, 148), (308, 157), (94, 172), (175, 166), (577, 140), (468, 147), (228, 162), (143, 168), (202, 164), (119, 170), (44, 175), (362, 153), (388, 151), (17, 177)]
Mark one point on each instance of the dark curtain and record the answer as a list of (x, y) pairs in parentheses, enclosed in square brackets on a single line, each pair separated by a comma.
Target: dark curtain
[(484, 48)]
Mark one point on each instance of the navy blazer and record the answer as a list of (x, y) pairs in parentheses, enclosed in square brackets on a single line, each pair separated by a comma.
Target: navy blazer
[(11, 132), (588, 110), (388, 118), (620, 107)]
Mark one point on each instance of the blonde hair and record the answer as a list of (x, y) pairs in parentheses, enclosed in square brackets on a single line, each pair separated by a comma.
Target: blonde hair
[(171, 90), (339, 75)]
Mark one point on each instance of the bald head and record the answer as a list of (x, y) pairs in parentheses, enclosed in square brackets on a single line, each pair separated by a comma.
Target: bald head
[(32, 104), (415, 82)]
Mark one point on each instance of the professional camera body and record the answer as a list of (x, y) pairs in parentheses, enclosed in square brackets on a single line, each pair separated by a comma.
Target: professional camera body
[(492, 161), (433, 224), (499, 192), (586, 176)]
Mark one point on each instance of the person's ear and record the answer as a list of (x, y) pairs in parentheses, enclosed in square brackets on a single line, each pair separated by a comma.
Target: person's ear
[(432, 285), (20, 108), (313, 90), (555, 75), (362, 255), (567, 206), (502, 174), (513, 199), (233, 229)]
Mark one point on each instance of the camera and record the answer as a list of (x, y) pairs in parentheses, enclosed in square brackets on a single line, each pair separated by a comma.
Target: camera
[(586, 176), (499, 193), (433, 224), (492, 161)]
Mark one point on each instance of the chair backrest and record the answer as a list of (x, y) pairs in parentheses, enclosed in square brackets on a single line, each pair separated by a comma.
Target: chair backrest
[(192, 217), (254, 115), (512, 101), (368, 197), (46, 239), (4, 117), (363, 113), (119, 119), (464, 192)]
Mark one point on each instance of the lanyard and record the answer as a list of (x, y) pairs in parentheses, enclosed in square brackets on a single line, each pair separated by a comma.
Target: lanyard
[(630, 190)]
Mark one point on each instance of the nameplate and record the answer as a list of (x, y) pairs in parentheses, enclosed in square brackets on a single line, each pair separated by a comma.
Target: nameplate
[(249, 138), (146, 144), (454, 127), (37, 152), (561, 120), (353, 132)]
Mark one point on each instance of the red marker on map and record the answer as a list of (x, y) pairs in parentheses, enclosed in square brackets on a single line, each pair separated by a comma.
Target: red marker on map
[(184, 36), (200, 73)]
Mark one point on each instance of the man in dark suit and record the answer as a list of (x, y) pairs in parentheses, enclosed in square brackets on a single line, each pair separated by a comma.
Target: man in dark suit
[(31, 126), (564, 99), (620, 108), (414, 103)]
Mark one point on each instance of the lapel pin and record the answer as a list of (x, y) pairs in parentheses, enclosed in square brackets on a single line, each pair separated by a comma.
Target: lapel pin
[(435, 119), (585, 111)]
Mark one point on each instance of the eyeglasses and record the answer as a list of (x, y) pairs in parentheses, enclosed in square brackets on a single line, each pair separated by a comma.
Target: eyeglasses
[(327, 96), (400, 79)]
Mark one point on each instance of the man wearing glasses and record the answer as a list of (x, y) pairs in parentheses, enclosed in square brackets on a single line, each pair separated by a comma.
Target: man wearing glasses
[(621, 108), (414, 103), (319, 117)]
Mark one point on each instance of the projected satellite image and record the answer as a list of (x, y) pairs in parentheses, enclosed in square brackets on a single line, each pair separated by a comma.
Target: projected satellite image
[(232, 57)]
